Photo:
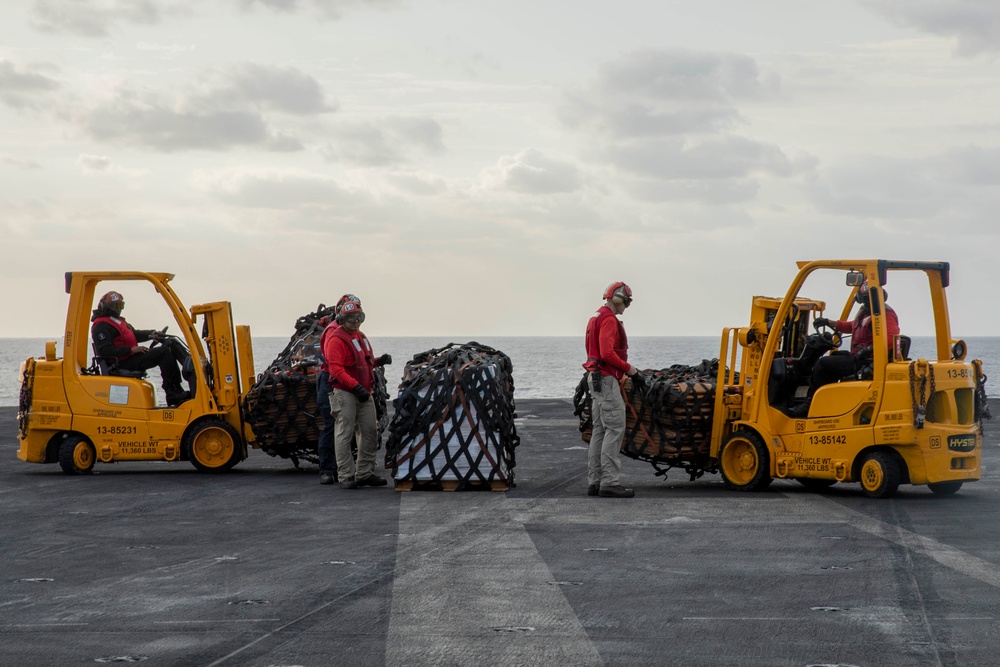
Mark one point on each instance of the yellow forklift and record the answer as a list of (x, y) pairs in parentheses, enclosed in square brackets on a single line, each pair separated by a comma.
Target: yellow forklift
[(76, 411), (894, 421)]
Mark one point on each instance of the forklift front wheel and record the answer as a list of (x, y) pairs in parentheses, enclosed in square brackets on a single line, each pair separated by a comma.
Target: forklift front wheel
[(213, 446), (77, 455), (880, 475), (744, 462)]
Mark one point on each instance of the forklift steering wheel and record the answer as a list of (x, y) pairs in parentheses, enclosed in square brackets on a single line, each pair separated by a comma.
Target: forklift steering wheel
[(158, 340)]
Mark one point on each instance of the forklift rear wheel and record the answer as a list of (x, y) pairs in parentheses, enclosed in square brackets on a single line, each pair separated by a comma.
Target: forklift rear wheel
[(744, 462), (880, 475), (945, 488), (77, 455), (213, 446)]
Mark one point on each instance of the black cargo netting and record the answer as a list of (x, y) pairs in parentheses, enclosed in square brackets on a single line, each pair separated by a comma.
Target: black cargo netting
[(24, 398), (454, 418), (281, 405), (668, 422), (982, 406)]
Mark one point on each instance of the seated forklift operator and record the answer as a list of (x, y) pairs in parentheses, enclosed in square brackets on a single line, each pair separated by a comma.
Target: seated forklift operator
[(118, 341), (838, 366)]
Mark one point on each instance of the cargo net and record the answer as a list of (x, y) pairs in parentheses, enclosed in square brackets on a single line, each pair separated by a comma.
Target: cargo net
[(454, 420), (281, 405), (668, 422)]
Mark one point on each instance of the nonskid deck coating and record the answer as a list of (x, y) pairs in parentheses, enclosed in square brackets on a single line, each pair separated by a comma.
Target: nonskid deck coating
[(157, 563)]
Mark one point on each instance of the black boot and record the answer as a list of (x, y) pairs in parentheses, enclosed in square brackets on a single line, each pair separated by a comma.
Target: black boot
[(176, 395)]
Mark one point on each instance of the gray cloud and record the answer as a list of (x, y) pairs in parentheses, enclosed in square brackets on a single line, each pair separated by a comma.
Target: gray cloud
[(224, 108), (276, 189), (19, 163), (94, 162), (328, 9), (95, 18), (24, 86), (718, 158), (962, 183), (667, 91), (975, 24), (383, 143), (102, 164), (664, 119), (145, 120), (531, 172), (285, 89)]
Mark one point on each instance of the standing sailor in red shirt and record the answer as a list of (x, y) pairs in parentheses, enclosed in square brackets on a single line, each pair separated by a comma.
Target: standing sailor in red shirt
[(607, 363), (351, 363), (325, 448)]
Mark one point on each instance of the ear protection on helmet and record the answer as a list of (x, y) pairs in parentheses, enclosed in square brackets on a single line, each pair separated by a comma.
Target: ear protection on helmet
[(861, 296), (619, 293), (350, 309)]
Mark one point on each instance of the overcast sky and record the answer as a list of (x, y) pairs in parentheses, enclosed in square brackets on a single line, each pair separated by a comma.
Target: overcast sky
[(483, 168)]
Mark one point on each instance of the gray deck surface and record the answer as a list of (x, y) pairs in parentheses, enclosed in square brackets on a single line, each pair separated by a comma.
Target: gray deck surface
[(155, 562)]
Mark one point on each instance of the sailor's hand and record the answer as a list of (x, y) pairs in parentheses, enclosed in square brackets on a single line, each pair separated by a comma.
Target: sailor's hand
[(632, 370), (361, 393), (384, 360), (139, 349), (820, 322), (639, 381)]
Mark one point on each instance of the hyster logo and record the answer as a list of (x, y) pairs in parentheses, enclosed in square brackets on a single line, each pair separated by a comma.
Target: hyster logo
[(961, 443)]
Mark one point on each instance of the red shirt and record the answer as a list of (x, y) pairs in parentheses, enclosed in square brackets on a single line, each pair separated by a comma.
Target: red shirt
[(349, 358), (607, 344), (323, 337), (861, 329)]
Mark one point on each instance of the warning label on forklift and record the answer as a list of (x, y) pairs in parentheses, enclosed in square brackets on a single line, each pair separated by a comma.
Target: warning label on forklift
[(138, 447), (813, 463)]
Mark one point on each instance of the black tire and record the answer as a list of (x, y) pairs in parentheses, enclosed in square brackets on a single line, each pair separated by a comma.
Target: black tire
[(945, 488), (879, 475), (816, 484), (76, 455), (213, 446), (745, 462)]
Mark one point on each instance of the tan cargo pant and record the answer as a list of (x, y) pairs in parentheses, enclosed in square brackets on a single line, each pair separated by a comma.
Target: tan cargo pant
[(608, 412), (348, 412)]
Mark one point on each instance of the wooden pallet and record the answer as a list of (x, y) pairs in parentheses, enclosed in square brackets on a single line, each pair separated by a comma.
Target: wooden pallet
[(450, 485)]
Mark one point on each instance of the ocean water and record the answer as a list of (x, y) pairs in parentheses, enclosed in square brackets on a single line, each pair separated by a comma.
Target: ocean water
[(544, 367)]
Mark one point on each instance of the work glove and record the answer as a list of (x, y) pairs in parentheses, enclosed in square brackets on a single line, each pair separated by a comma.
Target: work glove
[(820, 322), (384, 360), (639, 381), (361, 393)]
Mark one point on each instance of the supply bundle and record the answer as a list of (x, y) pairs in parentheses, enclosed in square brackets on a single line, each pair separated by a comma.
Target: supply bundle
[(453, 425), (668, 418), (281, 405)]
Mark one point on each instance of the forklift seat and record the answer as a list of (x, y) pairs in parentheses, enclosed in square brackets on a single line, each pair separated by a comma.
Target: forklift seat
[(103, 366), (901, 345)]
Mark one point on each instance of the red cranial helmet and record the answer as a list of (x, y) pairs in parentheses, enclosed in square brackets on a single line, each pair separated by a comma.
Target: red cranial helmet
[(619, 293), (347, 298), (350, 311), (112, 302)]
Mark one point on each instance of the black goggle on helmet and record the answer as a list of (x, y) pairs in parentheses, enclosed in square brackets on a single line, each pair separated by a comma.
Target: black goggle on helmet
[(351, 312)]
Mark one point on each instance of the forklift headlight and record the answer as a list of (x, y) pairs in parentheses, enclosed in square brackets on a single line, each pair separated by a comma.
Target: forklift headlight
[(959, 350)]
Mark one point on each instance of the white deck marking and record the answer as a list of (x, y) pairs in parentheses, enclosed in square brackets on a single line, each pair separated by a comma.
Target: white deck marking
[(461, 586)]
